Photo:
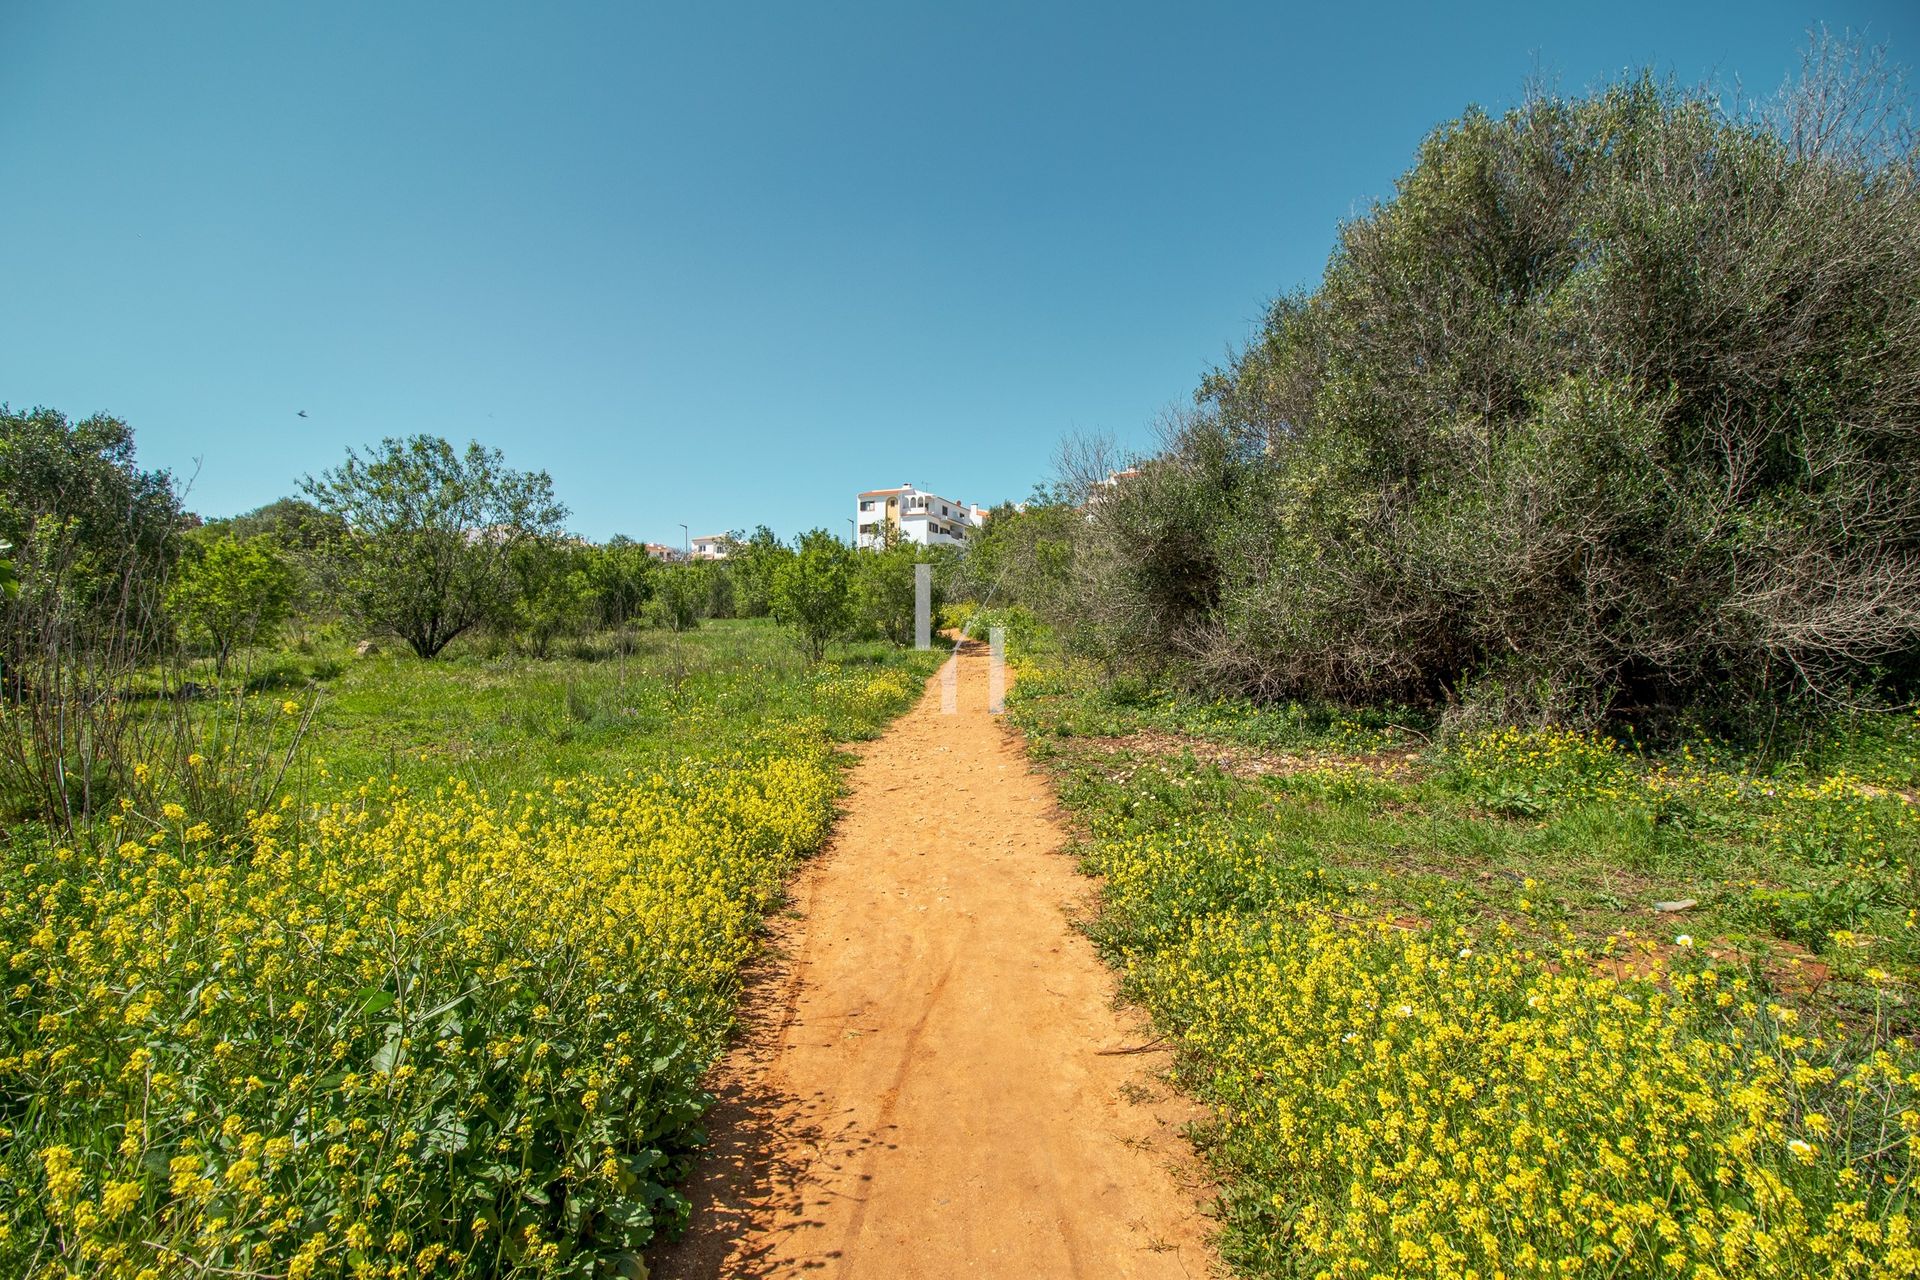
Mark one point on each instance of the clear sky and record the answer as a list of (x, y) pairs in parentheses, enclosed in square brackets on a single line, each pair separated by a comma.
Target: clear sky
[(723, 264)]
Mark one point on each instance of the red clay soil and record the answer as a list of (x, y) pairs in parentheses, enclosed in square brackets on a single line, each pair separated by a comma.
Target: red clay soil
[(932, 1078)]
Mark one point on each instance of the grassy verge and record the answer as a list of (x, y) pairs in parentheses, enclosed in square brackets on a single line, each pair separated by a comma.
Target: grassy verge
[(1444, 1030), (443, 1009)]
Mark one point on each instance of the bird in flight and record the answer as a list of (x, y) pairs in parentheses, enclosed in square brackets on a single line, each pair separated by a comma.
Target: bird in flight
[(303, 413)]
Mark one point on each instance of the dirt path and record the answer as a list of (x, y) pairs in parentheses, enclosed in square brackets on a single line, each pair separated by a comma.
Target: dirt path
[(926, 1084)]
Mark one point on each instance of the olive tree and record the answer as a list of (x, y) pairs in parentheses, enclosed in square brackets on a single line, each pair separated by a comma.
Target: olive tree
[(1613, 409), (433, 534), (229, 592), (812, 591)]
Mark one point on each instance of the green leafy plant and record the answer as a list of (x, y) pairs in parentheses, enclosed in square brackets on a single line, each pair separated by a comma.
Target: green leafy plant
[(230, 592), (433, 533), (813, 591)]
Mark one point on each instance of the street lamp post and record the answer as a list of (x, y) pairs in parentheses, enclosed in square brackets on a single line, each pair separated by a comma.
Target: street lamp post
[(686, 545), (853, 539)]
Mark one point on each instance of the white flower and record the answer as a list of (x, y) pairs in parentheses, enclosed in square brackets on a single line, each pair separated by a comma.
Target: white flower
[(1684, 940), (1350, 1037), (1405, 1011), (1465, 952), (1533, 1002), (1804, 1150)]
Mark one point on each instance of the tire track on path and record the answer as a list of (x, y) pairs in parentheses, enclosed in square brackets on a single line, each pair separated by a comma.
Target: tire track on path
[(918, 1089)]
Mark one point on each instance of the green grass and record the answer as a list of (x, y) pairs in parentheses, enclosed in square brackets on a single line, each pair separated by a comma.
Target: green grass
[(1822, 843), (728, 687), (441, 1004), (504, 721), (1277, 881)]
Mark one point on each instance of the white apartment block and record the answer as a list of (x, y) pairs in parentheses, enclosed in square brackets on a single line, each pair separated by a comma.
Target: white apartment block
[(1103, 488), (913, 516), (711, 547)]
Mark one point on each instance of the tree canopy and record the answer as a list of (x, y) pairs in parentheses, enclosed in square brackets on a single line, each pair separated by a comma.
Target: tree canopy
[(1614, 407), (813, 591), (92, 533), (229, 592), (433, 533)]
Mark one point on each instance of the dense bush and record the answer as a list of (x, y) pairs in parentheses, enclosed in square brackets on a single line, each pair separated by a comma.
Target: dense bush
[(619, 579), (1613, 407), (812, 591), (310, 539), (93, 538), (228, 592), (884, 588), (414, 1031), (406, 1025), (1421, 1061), (681, 595), (93, 535), (751, 562), (434, 534), (550, 594)]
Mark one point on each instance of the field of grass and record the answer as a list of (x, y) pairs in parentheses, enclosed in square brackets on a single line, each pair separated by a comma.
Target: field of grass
[(443, 1007), (1443, 1029)]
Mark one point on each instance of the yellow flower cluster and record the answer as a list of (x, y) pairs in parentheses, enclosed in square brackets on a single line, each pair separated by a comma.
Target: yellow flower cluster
[(1531, 770), (1859, 840), (401, 1034), (1410, 1100)]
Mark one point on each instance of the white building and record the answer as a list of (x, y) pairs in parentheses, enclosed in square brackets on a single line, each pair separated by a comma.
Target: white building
[(907, 514), (1103, 488), (711, 547)]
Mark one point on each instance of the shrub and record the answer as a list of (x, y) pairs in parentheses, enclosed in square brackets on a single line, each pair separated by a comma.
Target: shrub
[(619, 577), (813, 591), (433, 534), (885, 591), (444, 1032), (751, 563), (681, 595), (551, 595), (91, 535), (1607, 412), (229, 592)]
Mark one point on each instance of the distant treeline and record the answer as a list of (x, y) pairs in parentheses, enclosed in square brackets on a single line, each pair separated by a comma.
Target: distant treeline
[(1611, 411), (411, 541), (120, 610)]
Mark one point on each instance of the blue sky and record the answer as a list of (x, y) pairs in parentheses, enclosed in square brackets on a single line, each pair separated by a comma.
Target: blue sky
[(722, 264)]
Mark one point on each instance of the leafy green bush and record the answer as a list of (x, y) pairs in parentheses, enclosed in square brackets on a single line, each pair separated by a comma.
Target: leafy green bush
[(812, 591), (443, 1031), (1605, 415), (885, 589), (229, 593), (1530, 772)]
